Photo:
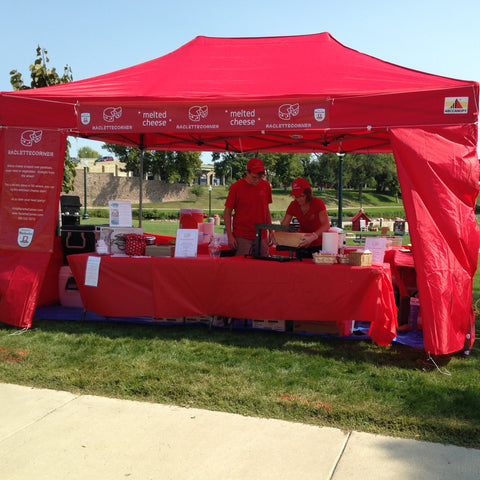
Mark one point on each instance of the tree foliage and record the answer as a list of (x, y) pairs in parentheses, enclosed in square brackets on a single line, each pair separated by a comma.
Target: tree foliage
[(360, 170), (43, 76), (171, 167), (40, 74), (87, 152)]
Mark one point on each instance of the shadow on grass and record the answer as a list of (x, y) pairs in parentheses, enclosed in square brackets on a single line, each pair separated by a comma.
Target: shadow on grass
[(350, 349)]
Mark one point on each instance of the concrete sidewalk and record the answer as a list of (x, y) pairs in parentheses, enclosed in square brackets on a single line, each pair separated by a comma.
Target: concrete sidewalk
[(46, 434)]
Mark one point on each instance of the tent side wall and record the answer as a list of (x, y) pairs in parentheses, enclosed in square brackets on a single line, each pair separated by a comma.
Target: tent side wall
[(438, 172)]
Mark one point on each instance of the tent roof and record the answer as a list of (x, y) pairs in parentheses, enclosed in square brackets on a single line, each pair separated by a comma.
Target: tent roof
[(332, 94)]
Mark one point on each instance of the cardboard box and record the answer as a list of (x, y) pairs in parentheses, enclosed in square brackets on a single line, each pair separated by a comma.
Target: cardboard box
[(276, 325), (324, 328), (315, 326), (167, 320), (201, 319), (159, 250), (288, 239), (220, 321)]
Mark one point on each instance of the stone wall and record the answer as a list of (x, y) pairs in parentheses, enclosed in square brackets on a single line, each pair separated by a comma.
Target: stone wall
[(102, 187)]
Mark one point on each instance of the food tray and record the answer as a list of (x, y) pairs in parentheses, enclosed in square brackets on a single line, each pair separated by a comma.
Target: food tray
[(324, 258), (288, 239), (360, 259)]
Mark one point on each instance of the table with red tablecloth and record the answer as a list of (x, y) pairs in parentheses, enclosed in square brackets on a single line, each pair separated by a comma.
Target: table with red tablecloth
[(404, 279), (402, 265), (241, 288)]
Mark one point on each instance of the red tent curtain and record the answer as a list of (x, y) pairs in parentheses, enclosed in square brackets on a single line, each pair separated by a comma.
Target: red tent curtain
[(438, 172), (31, 166)]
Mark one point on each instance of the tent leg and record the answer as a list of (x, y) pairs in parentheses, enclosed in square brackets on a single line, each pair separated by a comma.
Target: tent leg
[(140, 194)]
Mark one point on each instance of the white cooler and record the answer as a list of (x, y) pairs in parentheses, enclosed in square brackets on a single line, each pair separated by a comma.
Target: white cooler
[(67, 289)]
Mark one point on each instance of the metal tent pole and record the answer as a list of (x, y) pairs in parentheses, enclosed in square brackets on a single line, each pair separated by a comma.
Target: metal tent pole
[(140, 194), (340, 189)]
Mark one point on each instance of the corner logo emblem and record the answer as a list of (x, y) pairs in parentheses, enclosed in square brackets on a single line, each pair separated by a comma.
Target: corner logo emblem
[(25, 236), (85, 118), (319, 114), (455, 105)]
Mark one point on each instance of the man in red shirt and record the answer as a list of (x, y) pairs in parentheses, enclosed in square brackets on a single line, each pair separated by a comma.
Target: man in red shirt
[(249, 198)]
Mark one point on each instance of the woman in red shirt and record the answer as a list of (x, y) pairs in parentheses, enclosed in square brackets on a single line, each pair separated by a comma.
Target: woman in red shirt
[(311, 214)]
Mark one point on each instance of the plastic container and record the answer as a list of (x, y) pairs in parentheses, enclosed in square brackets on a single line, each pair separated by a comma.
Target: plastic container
[(77, 239), (413, 313), (67, 289), (190, 217), (214, 247)]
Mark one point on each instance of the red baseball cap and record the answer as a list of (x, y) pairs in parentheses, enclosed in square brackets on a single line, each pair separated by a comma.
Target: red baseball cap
[(298, 186), (255, 165)]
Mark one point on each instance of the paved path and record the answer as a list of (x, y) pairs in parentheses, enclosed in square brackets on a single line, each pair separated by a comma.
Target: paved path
[(47, 434)]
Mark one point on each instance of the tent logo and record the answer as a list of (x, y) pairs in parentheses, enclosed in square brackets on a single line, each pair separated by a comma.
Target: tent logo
[(455, 105), (287, 111), (196, 113), (85, 118), (319, 114), (25, 236), (29, 137), (111, 114)]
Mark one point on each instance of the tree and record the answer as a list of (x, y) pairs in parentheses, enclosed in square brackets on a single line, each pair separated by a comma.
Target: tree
[(42, 76), (230, 166), (166, 165), (87, 152), (360, 169), (323, 169), (286, 167), (386, 175)]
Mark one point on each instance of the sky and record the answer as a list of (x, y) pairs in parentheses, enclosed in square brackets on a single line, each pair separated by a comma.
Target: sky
[(96, 37)]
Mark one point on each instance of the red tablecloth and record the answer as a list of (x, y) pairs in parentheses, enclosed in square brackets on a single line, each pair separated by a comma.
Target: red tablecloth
[(242, 288), (403, 270)]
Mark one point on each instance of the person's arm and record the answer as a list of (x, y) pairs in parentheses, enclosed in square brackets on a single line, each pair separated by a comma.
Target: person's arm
[(324, 226), (227, 219), (286, 219), (271, 238)]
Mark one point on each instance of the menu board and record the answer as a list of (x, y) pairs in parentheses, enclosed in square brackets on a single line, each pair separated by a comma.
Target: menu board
[(186, 243), (377, 246), (30, 183), (120, 213)]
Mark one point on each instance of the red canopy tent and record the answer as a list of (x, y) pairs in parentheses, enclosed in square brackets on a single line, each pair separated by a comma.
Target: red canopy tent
[(303, 93)]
